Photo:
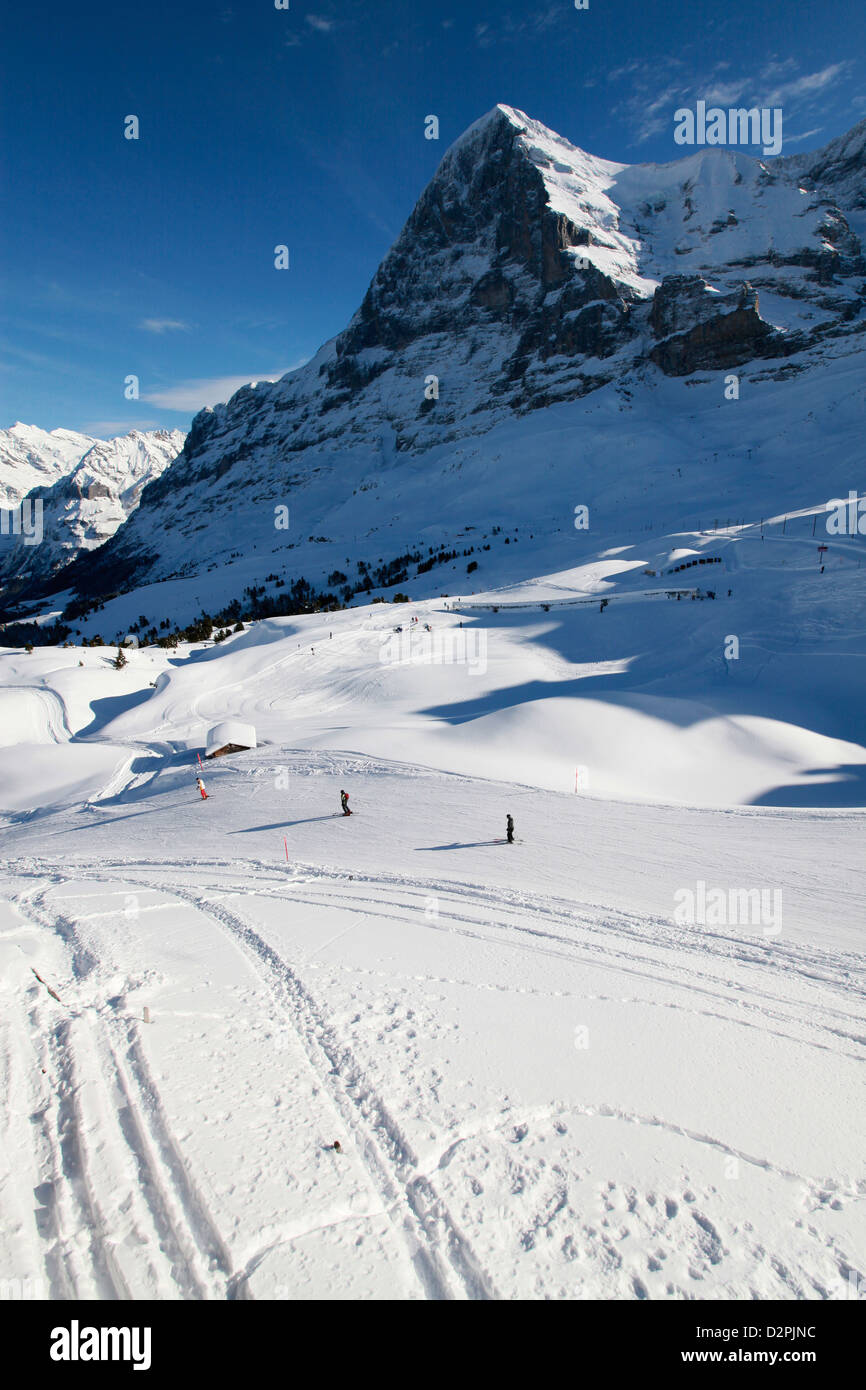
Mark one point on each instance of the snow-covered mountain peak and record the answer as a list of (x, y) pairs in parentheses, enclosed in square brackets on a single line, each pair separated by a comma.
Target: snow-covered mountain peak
[(544, 147), (86, 488), (529, 274), (31, 457)]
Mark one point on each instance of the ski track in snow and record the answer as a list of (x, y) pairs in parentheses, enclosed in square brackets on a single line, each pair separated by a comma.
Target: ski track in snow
[(105, 1128), (443, 1261)]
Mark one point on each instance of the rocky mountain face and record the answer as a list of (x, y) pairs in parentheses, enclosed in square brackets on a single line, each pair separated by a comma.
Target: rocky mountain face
[(99, 486), (529, 273)]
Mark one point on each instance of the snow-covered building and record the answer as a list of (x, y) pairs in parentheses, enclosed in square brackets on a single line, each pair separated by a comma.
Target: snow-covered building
[(231, 736)]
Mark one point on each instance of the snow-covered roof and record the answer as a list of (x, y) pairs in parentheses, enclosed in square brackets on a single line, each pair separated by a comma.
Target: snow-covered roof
[(231, 731)]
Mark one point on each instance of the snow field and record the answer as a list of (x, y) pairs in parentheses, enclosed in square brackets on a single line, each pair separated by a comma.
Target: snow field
[(538, 1092)]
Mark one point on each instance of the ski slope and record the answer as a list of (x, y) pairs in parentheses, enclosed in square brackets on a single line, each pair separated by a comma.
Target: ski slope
[(545, 1083)]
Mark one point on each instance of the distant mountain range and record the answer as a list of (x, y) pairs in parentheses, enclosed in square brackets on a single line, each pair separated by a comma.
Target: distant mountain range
[(87, 488)]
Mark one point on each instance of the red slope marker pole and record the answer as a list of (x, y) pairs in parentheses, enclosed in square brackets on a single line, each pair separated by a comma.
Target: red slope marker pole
[(286, 843), (198, 755)]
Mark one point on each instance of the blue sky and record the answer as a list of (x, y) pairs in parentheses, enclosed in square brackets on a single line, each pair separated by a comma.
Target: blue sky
[(305, 127)]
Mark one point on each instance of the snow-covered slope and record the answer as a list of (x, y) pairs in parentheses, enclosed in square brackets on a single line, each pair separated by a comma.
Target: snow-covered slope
[(648, 693), (552, 1072), (88, 502)]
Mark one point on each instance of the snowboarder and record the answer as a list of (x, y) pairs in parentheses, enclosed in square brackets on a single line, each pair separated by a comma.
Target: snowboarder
[(200, 784), (344, 802), (509, 829)]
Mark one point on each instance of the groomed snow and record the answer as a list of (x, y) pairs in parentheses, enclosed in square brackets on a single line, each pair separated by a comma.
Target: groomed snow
[(544, 1082)]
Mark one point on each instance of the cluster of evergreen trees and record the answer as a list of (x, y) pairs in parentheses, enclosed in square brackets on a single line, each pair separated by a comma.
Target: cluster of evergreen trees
[(298, 597)]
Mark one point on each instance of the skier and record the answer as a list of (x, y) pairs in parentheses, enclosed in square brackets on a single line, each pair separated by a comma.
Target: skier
[(200, 784), (509, 829), (344, 802)]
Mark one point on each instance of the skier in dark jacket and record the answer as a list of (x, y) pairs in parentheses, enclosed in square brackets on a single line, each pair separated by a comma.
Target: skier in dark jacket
[(344, 802), (509, 829)]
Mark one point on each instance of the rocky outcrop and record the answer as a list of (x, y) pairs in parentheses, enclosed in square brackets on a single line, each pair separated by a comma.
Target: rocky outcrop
[(716, 345), (704, 331)]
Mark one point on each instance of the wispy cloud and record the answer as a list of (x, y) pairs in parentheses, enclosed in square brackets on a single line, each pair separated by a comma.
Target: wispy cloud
[(807, 135), (108, 429), (195, 395), (658, 87), (163, 325), (777, 67), (808, 85), (22, 356), (636, 65), (725, 93), (506, 29), (320, 23)]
